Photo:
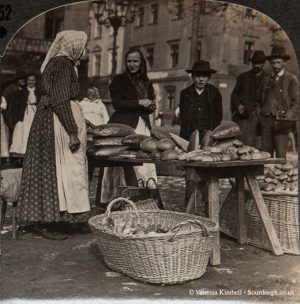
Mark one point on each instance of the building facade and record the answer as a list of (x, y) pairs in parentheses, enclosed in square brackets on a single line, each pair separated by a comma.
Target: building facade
[(227, 35), (28, 48)]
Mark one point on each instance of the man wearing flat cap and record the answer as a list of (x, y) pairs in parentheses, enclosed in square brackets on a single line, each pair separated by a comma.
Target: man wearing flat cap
[(200, 104), (246, 97), (279, 104)]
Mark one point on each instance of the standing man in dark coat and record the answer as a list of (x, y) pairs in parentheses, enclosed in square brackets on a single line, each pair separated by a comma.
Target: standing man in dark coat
[(245, 99), (200, 104), (200, 109), (12, 95), (279, 107)]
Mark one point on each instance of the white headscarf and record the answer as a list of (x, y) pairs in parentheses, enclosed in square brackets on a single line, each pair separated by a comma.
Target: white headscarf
[(67, 43)]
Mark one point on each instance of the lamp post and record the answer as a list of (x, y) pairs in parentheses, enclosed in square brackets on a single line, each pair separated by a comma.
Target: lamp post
[(114, 13)]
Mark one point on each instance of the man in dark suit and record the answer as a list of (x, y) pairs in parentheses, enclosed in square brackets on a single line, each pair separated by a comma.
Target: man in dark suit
[(200, 104), (279, 104), (200, 109), (245, 99)]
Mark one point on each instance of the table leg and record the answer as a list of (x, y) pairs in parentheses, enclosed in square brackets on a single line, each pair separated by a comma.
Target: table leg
[(130, 176), (241, 221), (213, 203), (99, 186), (264, 214)]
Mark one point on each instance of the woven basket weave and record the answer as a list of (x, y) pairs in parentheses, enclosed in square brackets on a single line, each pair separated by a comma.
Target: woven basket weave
[(169, 258), (284, 212)]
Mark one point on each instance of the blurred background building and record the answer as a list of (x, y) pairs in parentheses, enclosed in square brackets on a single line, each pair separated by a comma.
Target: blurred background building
[(172, 34)]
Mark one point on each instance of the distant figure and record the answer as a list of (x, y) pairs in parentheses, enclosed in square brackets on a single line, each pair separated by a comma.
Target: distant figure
[(94, 110), (159, 119), (11, 95), (28, 99), (176, 118), (279, 107), (4, 131), (245, 99)]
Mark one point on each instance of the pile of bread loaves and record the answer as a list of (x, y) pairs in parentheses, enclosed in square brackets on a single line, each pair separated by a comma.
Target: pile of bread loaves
[(121, 140), (118, 139), (224, 147), (279, 178)]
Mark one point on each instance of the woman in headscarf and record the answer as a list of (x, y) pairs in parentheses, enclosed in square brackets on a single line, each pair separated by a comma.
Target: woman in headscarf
[(93, 108), (133, 99), (28, 99), (54, 184)]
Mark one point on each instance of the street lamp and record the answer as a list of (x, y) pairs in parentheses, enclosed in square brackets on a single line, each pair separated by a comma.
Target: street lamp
[(114, 13)]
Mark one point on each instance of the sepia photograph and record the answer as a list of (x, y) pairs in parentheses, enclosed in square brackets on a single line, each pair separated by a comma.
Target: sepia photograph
[(149, 152)]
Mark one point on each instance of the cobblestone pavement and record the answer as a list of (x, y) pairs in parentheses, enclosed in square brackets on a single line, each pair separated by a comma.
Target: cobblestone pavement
[(36, 268)]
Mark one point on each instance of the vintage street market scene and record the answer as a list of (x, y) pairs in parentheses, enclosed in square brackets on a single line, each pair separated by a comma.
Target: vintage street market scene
[(149, 150)]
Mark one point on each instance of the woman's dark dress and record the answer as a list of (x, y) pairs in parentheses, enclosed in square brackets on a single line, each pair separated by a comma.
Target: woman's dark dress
[(38, 198)]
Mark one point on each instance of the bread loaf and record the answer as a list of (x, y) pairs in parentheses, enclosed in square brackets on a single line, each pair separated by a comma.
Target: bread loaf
[(113, 129)]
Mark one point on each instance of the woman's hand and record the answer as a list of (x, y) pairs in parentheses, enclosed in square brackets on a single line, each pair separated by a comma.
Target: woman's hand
[(74, 143), (145, 103)]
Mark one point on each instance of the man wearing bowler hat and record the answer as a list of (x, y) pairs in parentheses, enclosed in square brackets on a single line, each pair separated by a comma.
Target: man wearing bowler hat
[(200, 104), (245, 99), (200, 109), (279, 104)]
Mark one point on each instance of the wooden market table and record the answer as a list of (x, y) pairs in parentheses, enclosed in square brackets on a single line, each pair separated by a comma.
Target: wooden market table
[(211, 172)]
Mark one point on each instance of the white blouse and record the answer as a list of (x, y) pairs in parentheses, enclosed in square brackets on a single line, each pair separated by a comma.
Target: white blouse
[(94, 111)]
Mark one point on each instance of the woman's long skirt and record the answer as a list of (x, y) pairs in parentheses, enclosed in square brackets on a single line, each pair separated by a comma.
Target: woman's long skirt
[(114, 177), (21, 131), (54, 182), (4, 139)]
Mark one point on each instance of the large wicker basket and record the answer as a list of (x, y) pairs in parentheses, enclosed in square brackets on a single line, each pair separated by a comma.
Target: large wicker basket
[(284, 212), (170, 258)]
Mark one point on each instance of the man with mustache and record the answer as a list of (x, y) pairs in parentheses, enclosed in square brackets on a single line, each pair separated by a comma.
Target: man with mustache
[(279, 104), (245, 99)]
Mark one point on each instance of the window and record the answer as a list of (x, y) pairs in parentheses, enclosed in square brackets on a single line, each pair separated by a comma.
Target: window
[(170, 90), (139, 21), (179, 9), (150, 57), (174, 48), (97, 64), (248, 51), (199, 49), (153, 13), (54, 23)]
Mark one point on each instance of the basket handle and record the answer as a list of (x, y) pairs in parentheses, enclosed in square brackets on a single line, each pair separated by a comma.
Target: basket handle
[(154, 181), (205, 229), (120, 199)]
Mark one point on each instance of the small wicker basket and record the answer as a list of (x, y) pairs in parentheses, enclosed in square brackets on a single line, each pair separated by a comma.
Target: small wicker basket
[(168, 258), (143, 196)]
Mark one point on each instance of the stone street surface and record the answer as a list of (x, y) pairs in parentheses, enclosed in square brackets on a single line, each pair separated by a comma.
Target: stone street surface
[(36, 268)]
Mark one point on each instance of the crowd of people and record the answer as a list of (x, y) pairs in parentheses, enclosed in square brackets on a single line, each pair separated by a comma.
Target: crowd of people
[(48, 125)]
